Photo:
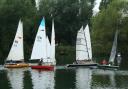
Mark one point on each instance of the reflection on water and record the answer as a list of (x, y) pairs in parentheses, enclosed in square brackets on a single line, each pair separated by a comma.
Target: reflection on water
[(83, 78), (15, 76), (42, 79), (108, 79), (63, 78)]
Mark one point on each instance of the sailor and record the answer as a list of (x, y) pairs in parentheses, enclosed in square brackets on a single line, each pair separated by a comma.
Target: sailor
[(104, 62), (40, 61), (11, 61), (118, 59)]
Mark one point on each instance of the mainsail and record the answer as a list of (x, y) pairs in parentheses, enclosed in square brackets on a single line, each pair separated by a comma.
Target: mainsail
[(81, 46), (88, 41), (39, 48), (114, 49), (16, 52)]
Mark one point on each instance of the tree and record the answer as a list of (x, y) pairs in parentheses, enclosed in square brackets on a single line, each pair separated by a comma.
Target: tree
[(11, 12), (106, 23)]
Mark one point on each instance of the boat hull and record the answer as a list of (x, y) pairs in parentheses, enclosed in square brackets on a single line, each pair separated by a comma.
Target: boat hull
[(107, 67), (82, 65), (43, 67), (17, 65)]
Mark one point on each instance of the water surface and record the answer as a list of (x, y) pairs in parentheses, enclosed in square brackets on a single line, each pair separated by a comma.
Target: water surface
[(63, 78)]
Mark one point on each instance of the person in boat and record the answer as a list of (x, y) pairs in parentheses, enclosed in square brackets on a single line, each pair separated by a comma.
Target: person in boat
[(118, 59), (11, 61), (40, 61), (104, 62)]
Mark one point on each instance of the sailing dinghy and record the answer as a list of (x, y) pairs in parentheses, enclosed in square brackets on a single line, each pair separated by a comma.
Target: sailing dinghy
[(15, 57), (83, 49), (42, 49), (111, 64)]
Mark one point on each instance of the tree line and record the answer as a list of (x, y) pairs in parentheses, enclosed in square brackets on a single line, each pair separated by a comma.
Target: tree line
[(104, 25), (64, 12), (68, 21)]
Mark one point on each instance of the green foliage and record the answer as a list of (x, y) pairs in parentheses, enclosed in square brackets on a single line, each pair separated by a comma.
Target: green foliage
[(65, 14), (67, 19), (65, 54), (11, 12), (69, 16), (106, 23)]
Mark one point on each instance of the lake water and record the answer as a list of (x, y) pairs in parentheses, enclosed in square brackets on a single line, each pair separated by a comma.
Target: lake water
[(63, 78)]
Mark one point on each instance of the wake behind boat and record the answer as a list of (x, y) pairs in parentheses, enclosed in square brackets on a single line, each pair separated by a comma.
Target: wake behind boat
[(43, 51), (83, 49), (15, 57)]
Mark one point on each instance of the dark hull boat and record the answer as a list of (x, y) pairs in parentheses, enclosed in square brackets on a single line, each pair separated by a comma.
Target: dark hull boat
[(112, 58), (84, 64), (107, 67), (83, 49)]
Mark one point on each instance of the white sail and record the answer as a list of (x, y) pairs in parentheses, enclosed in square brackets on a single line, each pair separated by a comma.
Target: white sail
[(16, 52), (88, 41), (39, 48), (114, 47), (81, 46), (53, 44), (48, 50)]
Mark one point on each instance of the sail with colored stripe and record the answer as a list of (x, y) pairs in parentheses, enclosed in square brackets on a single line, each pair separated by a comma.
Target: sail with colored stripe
[(39, 47)]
